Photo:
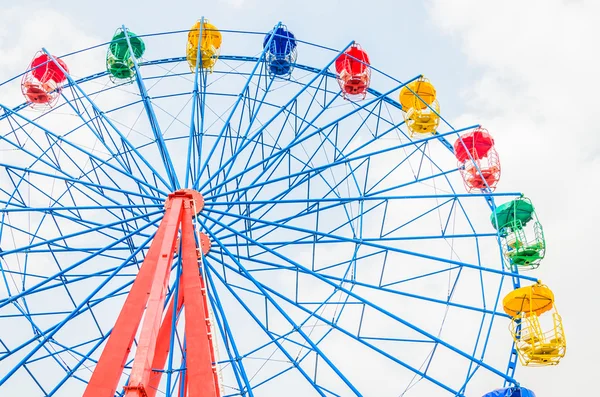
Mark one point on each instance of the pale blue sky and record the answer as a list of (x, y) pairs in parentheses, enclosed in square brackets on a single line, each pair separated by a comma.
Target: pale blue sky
[(506, 65)]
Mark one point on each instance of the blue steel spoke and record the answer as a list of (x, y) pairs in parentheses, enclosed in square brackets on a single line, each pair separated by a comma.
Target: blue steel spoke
[(77, 181), (37, 286), (318, 169), (76, 219), (95, 124), (229, 134), (87, 356), (335, 201), (300, 137), (58, 138), (194, 140), (258, 63), (382, 310), (92, 303), (292, 341), (230, 161), (238, 149), (90, 230), (158, 135), (336, 327), (228, 337), (299, 181), (107, 120), (53, 330), (263, 327), (308, 211), (65, 278), (384, 288), (58, 210), (340, 238)]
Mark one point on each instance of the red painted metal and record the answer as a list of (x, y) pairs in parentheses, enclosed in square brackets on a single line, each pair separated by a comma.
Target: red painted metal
[(163, 344), (109, 369), (200, 370), (148, 292), (195, 196), (205, 244), (144, 355), (209, 327)]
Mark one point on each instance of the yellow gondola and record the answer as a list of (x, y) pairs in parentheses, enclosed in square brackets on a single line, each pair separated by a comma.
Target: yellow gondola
[(420, 107), (540, 340), (210, 46)]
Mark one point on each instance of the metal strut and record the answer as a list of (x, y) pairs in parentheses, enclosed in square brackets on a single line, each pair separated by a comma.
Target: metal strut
[(147, 299)]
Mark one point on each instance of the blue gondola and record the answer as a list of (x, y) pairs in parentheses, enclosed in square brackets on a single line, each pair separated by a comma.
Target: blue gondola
[(511, 392), (280, 56)]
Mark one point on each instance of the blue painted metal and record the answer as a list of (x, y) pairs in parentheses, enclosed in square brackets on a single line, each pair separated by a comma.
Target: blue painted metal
[(227, 121), (158, 135), (511, 392), (107, 120), (269, 196), (383, 311), (195, 135)]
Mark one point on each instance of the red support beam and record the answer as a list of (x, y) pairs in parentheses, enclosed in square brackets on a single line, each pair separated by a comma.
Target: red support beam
[(205, 246), (200, 366), (144, 354), (148, 293), (163, 345), (109, 369)]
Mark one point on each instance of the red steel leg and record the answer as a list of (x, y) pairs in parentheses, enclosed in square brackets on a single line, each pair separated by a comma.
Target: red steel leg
[(144, 355), (148, 293), (210, 338), (199, 374), (109, 369), (163, 345)]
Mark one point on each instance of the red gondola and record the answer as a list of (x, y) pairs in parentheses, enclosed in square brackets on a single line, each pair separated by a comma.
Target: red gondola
[(41, 86), (353, 72), (478, 160)]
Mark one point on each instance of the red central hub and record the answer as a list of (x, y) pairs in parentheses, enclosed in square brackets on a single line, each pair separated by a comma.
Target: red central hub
[(195, 196), (144, 306)]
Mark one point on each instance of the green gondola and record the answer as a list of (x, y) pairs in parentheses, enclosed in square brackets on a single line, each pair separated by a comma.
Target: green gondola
[(119, 62), (524, 243)]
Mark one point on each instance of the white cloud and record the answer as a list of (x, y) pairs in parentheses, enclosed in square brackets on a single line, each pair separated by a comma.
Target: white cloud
[(534, 86)]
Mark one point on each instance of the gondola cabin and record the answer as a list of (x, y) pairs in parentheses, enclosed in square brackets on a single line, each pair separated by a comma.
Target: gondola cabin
[(524, 243), (280, 52), (478, 160), (420, 107), (42, 84), (209, 46), (510, 392), (536, 326), (119, 60), (353, 72)]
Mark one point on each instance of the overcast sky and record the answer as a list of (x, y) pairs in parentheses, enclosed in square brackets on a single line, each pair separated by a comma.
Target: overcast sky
[(526, 70)]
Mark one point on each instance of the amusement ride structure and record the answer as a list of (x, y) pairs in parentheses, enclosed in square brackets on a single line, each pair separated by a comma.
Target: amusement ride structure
[(211, 224)]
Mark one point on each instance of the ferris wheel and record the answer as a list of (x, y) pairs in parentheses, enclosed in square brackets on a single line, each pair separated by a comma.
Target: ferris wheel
[(213, 212)]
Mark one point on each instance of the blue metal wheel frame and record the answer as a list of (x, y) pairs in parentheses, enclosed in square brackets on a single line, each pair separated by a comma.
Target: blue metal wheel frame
[(328, 226)]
